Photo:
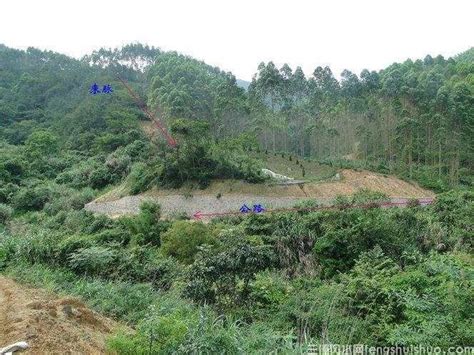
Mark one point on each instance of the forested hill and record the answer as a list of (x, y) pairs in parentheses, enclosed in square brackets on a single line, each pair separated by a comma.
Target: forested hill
[(414, 118), (276, 281)]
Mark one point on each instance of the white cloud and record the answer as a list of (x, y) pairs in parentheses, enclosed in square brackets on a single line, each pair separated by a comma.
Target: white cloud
[(237, 35)]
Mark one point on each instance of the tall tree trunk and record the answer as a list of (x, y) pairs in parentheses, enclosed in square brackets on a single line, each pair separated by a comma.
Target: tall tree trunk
[(274, 139), (439, 158), (410, 156)]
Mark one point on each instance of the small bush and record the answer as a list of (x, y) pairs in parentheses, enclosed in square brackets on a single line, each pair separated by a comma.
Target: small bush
[(32, 198), (413, 202), (147, 227), (365, 196), (117, 235), (269, 290), (342, 201), (5, 213), (92, 261), (183, 239), (308, 204), (142, 177), (69, 199), (7, 191), (71, 244)]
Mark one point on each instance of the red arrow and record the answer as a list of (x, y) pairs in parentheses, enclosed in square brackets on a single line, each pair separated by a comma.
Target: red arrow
[(199, 215)]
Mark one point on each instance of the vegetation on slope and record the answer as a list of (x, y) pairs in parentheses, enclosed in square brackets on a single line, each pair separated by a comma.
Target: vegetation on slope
[(261, 283)]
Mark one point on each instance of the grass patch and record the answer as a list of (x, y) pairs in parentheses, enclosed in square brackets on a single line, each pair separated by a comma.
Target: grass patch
[(120, 300), (298, 168)]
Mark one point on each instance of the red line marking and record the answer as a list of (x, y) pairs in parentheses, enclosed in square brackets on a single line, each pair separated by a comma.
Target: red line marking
[(171, 141), (198, 215)]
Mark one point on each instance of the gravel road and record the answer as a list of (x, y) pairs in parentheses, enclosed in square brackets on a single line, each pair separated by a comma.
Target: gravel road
[(176, 204)]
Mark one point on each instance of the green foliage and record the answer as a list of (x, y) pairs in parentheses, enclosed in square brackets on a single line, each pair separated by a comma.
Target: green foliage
[(269, 291), (41, 144), (93, 260), (223, 277), (198, 159), (69, 245), (455, 211), (147, 227), (95, 172), (69, 199), (267, 283), (410, 118), (12, 168), (360, 276), (7, 191), (5, 213), (32, 198), (364, 196), (142, 177), (202, 93), (183, 240)]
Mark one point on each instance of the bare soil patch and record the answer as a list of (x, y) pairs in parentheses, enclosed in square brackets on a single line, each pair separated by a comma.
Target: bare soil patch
[(50, 325)]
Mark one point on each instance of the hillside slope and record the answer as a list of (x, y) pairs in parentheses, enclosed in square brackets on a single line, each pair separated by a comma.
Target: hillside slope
[(49, 324)]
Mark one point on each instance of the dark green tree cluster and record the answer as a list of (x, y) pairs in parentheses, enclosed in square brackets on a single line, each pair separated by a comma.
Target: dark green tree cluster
[(182, 87), (55, 136)]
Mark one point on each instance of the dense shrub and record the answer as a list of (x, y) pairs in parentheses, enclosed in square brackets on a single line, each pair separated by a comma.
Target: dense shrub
[(269, 291), (69, 199), (223, 277), (94, 260), (364, 196), (71, 244), (7, 191), (143, 176), (183, 239), (5, 213), (32, 198), (147, 227), (93, 172), (12, 169)]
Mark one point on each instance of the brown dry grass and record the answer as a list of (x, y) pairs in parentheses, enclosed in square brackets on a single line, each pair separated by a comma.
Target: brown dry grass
[(351, 181)]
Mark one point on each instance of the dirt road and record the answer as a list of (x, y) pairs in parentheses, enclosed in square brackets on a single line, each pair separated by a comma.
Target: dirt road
[(50, 325), (232, 199)]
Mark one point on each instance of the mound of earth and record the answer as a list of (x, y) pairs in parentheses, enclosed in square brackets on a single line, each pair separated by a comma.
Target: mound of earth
[(48, 324), (229, 195)]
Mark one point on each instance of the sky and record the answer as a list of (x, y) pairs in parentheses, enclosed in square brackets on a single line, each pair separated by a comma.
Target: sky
[(237, 35)]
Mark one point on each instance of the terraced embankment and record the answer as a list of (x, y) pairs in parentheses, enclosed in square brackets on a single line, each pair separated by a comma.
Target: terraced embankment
[(234, 195)]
